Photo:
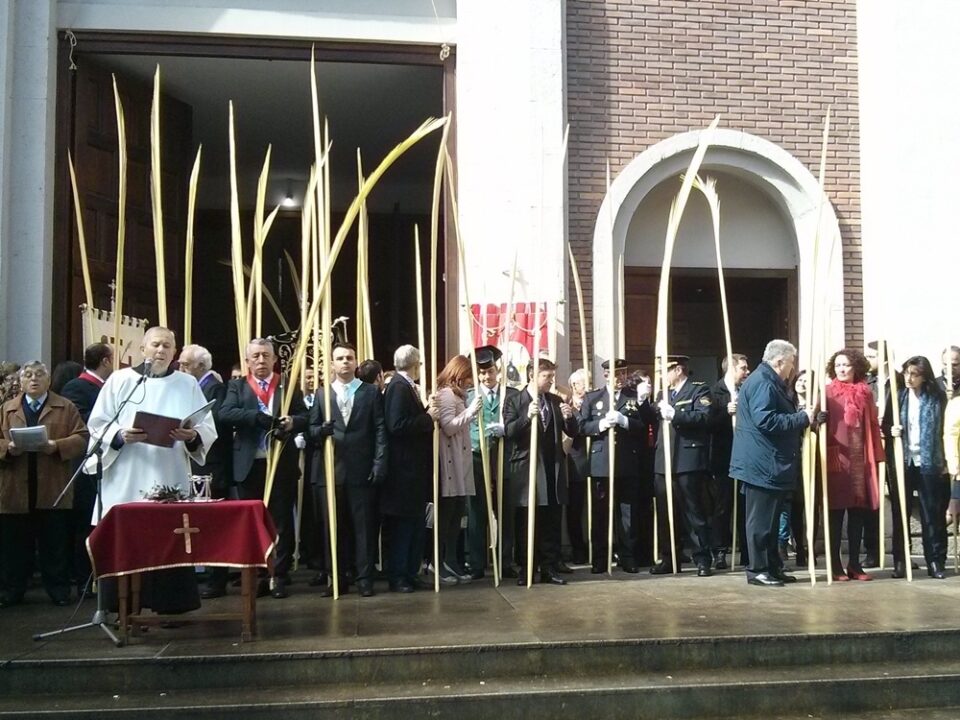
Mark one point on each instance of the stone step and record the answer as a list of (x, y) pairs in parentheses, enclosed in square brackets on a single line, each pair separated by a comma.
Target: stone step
[(589, 659), (805, 690)]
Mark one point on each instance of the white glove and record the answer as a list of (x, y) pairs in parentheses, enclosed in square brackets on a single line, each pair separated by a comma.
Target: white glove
[(617, 418), (643, 391), (495, 430), (605, 424), (475, 407), (300, 442), (666, 410), (534, 409), (896, 431)]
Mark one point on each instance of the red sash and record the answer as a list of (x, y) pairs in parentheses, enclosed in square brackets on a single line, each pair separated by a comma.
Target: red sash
[(91, 378), (262, 396)]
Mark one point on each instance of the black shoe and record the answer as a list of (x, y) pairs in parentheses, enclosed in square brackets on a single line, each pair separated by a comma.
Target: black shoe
[(552, 577), (509, 572), (765, 579), (401, 586), (365, 588), (870, 561), (801, 560), (328, 590), (661, 568), (629, 567), (318, 580), (263, 587), (936, 571), (598, 569), (721, 563), (212, 591), (899, 569), (476, 574), (704, 571), (783, 577), (279, 589), (562, 567)]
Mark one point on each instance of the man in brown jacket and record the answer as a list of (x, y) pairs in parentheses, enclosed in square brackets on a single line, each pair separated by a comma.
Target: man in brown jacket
[(29, 484)]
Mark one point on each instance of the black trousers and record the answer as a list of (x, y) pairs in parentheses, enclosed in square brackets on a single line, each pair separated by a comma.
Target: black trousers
[(575, 512), (909, 481), (720, 495), (933, 491), (687, 495), (84, 500), (547, 529), (404, 548), (282, 500), (762, 524), (44, 533), (626, 521), (856, 517), (357, 529), (477, 539)]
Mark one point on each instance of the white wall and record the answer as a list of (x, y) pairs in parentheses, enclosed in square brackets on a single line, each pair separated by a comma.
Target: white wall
[(910, 155), (753, 232), (509, 151), (26, 183)]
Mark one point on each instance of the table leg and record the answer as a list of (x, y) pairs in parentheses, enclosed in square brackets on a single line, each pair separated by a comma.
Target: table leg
[(248, 602)]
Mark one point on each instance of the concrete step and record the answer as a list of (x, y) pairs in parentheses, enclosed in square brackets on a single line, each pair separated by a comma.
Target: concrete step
[(803, 690), (398, 666)]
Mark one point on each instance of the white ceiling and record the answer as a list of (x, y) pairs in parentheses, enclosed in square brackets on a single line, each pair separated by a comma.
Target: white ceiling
[(369, 106)]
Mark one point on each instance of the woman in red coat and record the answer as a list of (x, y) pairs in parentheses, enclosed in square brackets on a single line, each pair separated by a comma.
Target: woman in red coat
[(853, 451)]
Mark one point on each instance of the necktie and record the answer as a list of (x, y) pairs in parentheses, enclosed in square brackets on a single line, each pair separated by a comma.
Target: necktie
[(35, 406), (262, 445), (545, 413), (673, 395), (344, 402)]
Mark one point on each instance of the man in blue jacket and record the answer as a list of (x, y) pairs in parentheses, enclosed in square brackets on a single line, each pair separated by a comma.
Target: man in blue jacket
[(766, 450)]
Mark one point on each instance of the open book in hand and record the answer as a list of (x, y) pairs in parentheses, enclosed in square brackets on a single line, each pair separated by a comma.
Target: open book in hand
[(159, 427), (29, 439)]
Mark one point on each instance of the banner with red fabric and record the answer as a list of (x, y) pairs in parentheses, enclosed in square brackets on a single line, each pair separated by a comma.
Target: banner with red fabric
[(142, 536)]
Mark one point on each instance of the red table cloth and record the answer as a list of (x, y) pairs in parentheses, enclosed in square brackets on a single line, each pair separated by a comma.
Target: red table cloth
[(141, 536)]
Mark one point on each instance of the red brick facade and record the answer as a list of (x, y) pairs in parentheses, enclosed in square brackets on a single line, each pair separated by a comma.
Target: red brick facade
[(640, 71)]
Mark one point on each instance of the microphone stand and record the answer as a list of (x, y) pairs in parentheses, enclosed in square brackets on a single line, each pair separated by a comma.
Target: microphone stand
[(99, 618)]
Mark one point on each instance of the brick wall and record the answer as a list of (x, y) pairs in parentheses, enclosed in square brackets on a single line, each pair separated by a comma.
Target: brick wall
[(640, 71)]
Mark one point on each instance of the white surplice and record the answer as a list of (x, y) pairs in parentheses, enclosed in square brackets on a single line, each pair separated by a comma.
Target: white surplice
[(135, 469)]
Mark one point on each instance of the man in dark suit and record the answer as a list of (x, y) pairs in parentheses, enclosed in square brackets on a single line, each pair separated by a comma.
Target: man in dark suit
[(252, 409), (359, 438), (720, 485), (82, 391), (553, 418), (408, 487), (629, 416), (197, 361), (688, 413)]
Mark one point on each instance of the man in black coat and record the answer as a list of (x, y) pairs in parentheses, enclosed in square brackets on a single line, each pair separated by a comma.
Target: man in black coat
[(553, 418), (359, 438), (83, 391), (409, 483), (252, 409), (688, 413), (629, 417), (719, 484), (197, 361)]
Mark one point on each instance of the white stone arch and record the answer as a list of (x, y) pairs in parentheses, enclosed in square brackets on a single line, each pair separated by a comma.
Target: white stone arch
[(769, 167)]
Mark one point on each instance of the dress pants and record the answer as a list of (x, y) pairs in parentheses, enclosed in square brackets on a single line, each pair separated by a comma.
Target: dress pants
[(687, 494), (933, 492), (45, 533), (404, 548), (575, 512), (357, 529), (909, 481), (282, 500), (625, 516), (84, 500), (548, 524), (452, 510), (478, 540), (763, 507), (720, 494)]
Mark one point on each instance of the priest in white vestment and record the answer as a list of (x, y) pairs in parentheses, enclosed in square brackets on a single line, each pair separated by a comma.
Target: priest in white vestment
[(132, 467)]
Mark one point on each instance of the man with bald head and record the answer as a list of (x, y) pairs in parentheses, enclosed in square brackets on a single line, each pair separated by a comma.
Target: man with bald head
[(253, 409), (131, 466)]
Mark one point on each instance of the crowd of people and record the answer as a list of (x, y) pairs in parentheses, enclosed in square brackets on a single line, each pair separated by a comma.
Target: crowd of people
[(731, 449)]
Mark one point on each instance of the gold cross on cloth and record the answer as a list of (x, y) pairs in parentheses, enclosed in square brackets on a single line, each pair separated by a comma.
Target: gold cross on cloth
[(186, 531)]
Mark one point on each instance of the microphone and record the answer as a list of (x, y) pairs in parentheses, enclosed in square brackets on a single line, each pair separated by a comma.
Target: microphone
[(147, 369)]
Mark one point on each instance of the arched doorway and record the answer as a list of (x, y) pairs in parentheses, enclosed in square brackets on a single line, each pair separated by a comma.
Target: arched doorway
[(769, 213)]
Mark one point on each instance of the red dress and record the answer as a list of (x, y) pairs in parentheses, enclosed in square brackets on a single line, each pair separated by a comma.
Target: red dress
[(853, 447)]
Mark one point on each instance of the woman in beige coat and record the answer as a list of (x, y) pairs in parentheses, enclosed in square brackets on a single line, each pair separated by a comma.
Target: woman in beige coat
[(456, 461)]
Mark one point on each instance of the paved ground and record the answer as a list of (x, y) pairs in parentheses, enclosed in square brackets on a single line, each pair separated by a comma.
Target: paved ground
[(625, 606)]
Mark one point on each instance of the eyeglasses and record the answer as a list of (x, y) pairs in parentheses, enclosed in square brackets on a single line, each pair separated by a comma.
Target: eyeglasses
[(33, 374)]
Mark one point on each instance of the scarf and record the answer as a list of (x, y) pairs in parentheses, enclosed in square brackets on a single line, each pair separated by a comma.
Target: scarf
[(931, 431), (854, 397)]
